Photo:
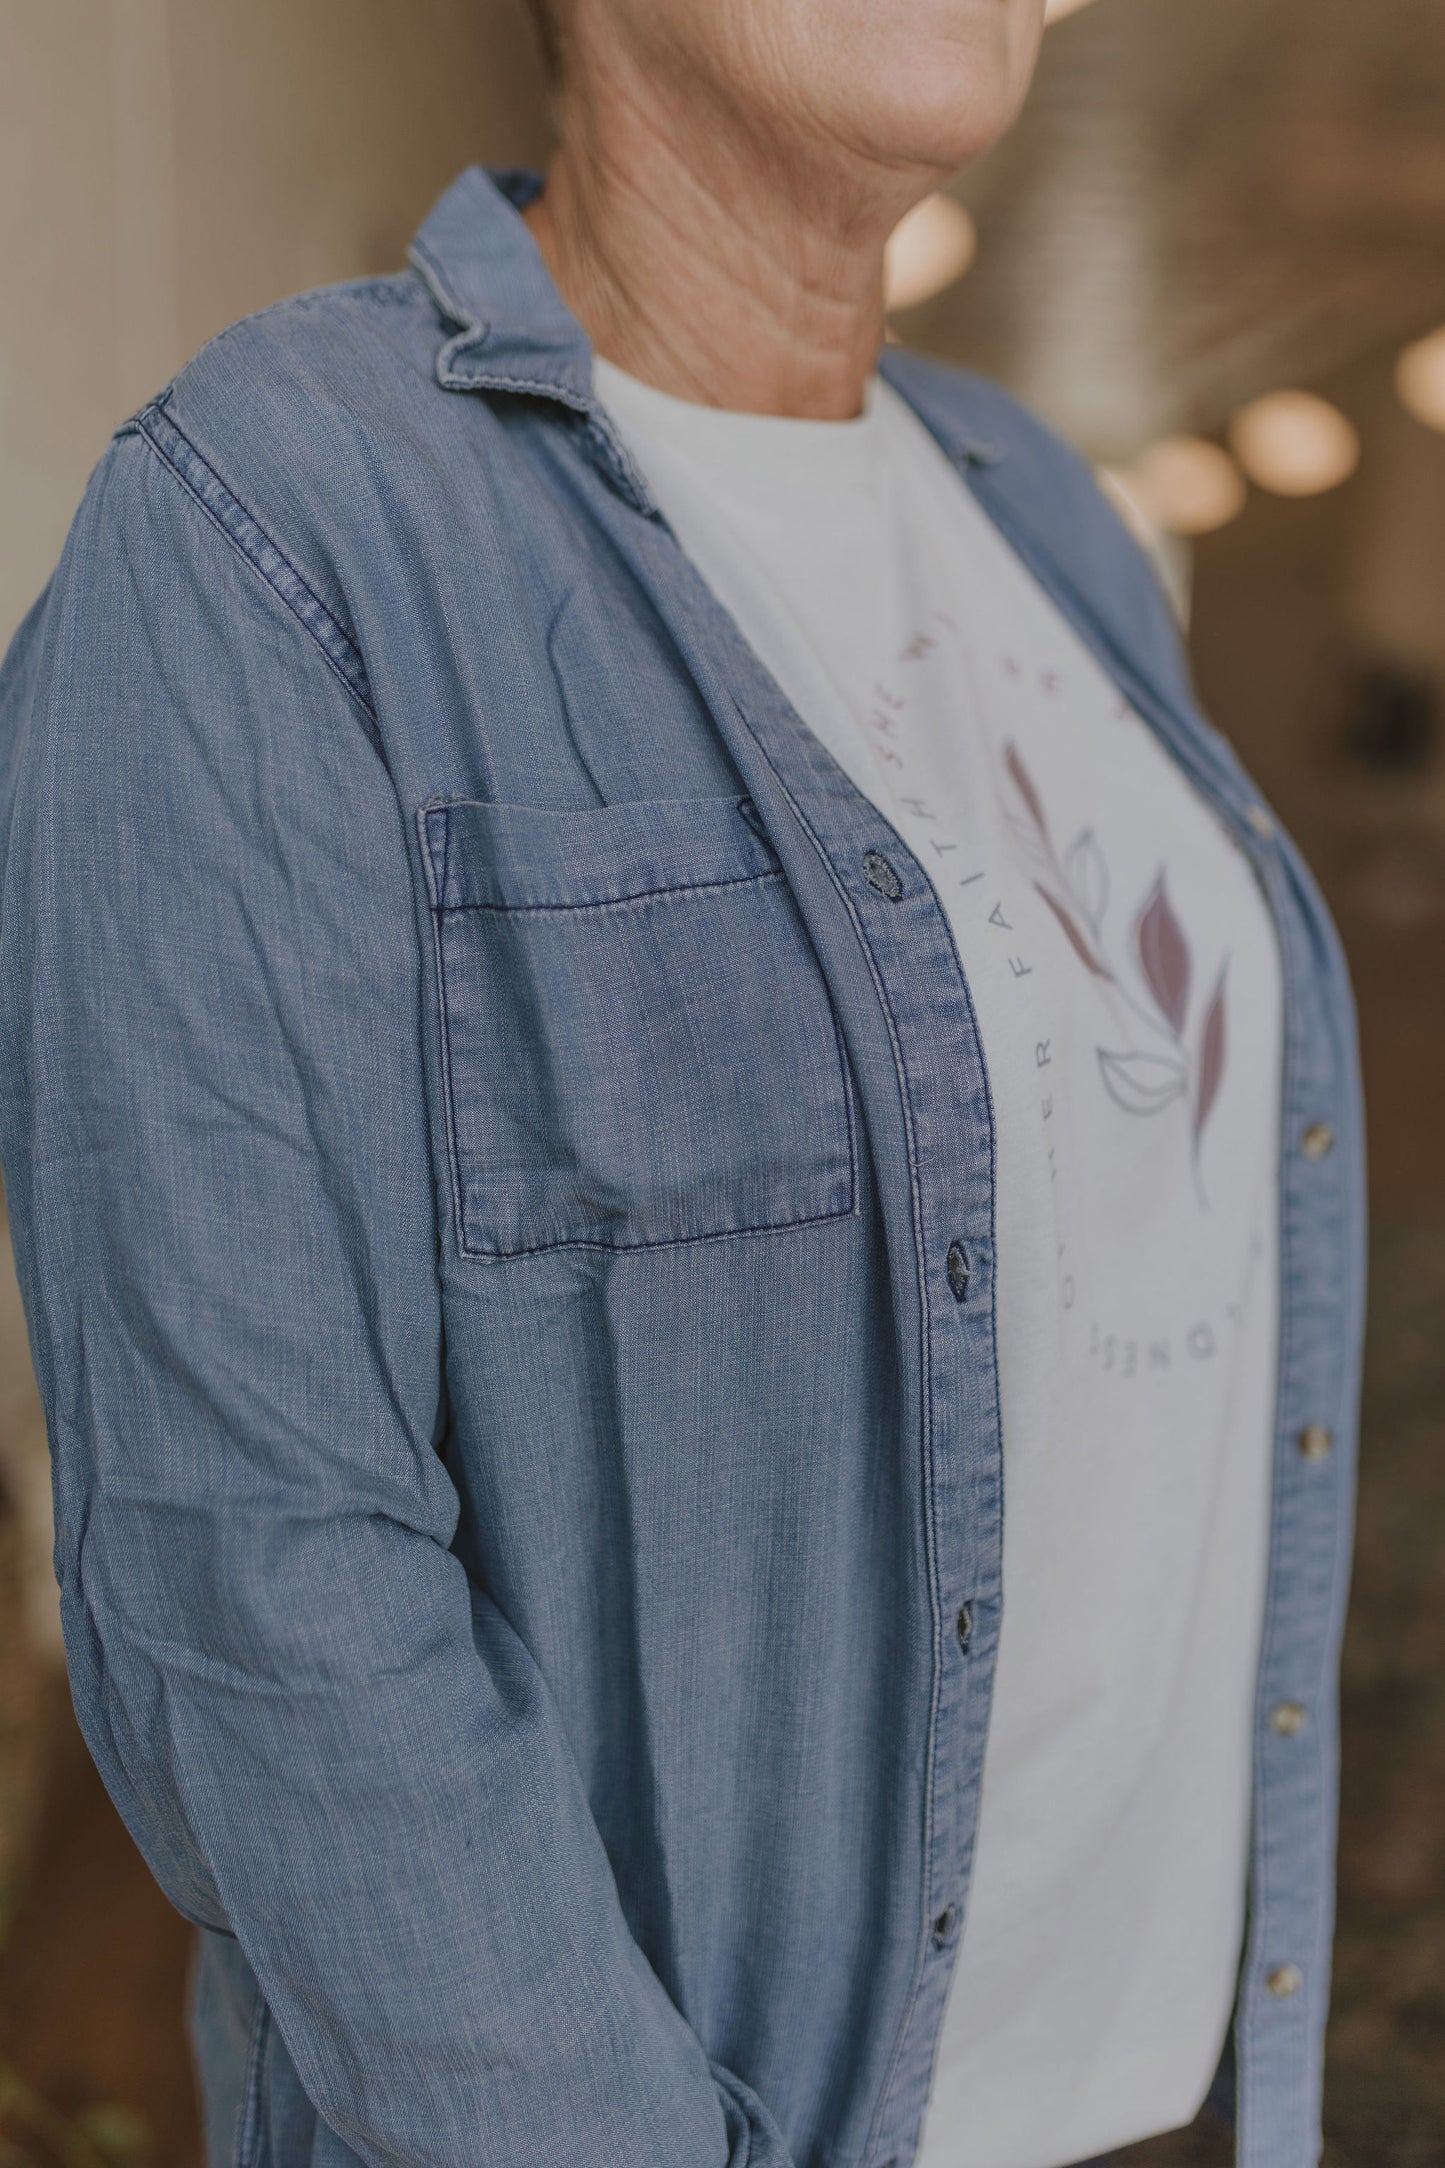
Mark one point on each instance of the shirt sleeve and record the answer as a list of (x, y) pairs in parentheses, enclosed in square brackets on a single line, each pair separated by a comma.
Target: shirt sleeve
[(327, 1741)]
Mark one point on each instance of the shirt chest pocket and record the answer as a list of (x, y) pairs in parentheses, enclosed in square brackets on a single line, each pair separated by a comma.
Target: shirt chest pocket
[(639, 1047)]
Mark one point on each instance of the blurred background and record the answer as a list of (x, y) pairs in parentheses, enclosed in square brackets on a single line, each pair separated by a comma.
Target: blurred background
[(1213, 254)]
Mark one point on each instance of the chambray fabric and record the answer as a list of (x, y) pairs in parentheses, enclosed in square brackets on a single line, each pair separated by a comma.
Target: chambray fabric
[(483, 1155)]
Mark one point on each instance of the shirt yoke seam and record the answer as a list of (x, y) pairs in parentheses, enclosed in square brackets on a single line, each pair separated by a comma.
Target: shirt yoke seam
[(250, 541)]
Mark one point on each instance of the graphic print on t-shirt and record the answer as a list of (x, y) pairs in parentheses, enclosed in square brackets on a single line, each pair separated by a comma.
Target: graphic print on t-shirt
[(1100, 1007), (1140, 1076)]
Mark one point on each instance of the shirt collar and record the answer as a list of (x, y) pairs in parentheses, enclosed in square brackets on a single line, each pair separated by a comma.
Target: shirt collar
[(512, 331)]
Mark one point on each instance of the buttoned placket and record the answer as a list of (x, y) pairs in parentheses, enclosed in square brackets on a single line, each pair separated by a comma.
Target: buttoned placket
[(829, 835)]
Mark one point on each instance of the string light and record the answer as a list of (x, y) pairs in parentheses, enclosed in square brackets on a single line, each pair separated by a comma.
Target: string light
[(1183, 484), (1294, 443), (1420, 379)]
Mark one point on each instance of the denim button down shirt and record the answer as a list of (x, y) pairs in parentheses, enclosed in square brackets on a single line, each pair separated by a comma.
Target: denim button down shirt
[(502, 1177)]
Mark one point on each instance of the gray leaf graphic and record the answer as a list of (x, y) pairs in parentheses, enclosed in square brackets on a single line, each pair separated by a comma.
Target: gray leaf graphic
[(1142, 1083), (1032, 843), (1088, 877)]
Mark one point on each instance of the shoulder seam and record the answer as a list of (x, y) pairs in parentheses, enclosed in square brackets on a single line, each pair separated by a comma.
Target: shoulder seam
[(250, 540)]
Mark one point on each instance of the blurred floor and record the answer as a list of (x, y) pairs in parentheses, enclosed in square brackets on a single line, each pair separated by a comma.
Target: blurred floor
[(91, 1991), (1388, 2096)]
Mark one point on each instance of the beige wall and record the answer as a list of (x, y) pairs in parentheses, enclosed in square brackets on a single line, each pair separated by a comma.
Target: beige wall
[(168, 165)]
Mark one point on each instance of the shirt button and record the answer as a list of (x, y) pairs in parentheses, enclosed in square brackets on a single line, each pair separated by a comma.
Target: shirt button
[(1317, 1140), (963, 1625), (1315, 1442), (956, 1265), (1284, 1980), (944, 1924), (1260, 819), (1287, 1718), (880, 875)]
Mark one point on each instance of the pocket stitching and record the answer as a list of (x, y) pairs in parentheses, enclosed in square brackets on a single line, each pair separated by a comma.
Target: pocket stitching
[(441, 911), (610, 903), (678, 1242), (437, 914), (663, 1242)]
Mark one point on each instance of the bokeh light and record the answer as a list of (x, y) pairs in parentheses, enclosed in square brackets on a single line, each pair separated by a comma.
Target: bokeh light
[(1294, 443)]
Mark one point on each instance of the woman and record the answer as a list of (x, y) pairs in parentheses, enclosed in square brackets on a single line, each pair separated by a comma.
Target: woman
[(634, 998)]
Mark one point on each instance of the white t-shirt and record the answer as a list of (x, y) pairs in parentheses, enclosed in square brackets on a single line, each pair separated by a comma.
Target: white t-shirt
[(1124, 970)]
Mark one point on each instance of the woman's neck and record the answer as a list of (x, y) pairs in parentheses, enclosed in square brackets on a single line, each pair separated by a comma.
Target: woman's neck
[(698, 259)]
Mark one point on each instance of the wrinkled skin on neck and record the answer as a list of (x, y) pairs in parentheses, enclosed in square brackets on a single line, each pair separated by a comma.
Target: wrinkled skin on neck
[(728, 172)]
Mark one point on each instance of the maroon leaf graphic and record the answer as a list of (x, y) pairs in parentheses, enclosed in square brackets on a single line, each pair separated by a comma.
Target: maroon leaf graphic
[(1141, 1083), (1024, 785), (1164, 954), (1211, 1056), (1080, 946)]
